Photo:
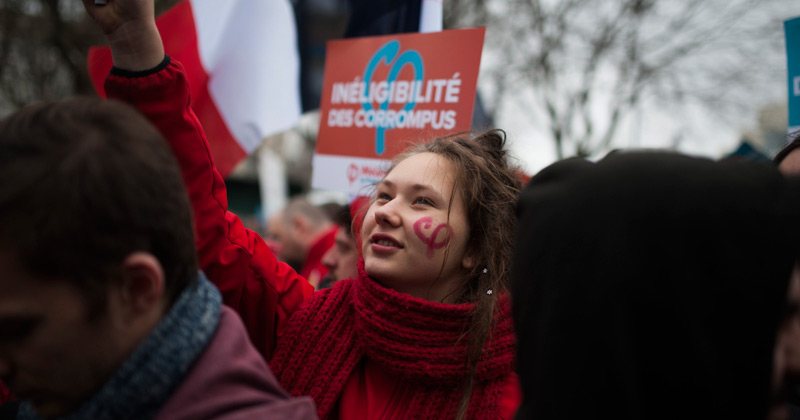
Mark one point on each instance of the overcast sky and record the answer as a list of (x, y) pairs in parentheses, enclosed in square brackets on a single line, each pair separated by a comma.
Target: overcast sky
[(701, 131)]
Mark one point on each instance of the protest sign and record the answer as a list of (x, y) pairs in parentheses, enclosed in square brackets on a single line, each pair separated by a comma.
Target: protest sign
[(381, 94), (792, 29)]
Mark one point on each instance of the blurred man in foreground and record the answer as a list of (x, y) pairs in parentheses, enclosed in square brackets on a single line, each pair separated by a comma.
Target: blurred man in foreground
[(103, 313)]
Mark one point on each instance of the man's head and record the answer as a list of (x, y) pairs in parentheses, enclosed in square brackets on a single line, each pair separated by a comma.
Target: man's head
[(296, 228), (656, 274), (342, 259), (97, 242), (275, 233)]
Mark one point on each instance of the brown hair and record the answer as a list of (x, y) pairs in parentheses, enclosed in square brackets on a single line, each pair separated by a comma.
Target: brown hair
[(85, 183), (490, 188)]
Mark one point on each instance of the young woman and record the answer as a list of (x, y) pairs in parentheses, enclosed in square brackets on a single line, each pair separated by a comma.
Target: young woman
[(425, 330)]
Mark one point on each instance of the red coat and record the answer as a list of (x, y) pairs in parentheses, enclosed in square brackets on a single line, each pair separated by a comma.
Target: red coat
[(264, 291), (5, 394)]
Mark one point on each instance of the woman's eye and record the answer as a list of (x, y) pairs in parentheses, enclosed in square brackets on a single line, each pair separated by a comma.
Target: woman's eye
[(424, 201), (383, 196)]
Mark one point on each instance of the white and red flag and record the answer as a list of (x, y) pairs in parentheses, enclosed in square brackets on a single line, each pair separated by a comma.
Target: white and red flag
[(242, 64)]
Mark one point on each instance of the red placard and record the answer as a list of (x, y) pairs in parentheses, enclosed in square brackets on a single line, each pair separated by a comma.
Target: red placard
[(381, 94)]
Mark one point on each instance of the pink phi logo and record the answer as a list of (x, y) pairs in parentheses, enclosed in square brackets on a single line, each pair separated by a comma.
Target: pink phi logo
[(352, 173)]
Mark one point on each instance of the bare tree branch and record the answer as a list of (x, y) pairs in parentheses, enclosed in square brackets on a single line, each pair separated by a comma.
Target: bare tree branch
[(43, 49), (589, 63)]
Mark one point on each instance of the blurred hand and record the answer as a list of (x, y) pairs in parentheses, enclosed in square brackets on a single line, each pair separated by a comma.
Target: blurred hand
[(131, 31), (119, 13)]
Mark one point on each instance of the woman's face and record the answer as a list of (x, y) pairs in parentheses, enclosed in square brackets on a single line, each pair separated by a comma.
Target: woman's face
[(406, 230)]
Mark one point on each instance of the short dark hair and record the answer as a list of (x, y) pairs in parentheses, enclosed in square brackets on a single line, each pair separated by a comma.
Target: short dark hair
[(331, 209), (344, 220), (85, 183)]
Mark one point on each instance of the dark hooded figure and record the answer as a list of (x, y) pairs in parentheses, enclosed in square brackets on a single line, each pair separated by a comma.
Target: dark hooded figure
[(654, 286)]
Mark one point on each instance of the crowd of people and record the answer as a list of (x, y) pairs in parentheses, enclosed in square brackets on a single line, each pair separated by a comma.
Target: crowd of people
[(647, 285)]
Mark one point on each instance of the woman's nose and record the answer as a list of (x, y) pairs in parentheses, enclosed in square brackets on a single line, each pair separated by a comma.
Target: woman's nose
[(387, 214)]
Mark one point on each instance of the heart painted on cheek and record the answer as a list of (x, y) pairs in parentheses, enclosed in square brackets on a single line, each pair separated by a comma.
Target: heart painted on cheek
[(424, 224)]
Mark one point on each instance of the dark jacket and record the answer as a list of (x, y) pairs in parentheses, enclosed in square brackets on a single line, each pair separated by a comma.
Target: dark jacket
[(8, 410), (651, 286)]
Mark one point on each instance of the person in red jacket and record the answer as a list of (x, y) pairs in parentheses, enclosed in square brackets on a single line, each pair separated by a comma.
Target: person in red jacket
[(424, 330)]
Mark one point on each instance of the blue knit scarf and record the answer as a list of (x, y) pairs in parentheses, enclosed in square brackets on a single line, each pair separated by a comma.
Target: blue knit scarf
[(145, 381)]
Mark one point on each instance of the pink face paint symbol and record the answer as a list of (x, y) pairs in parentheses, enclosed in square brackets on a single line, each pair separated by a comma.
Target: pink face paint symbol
[(426, 223)]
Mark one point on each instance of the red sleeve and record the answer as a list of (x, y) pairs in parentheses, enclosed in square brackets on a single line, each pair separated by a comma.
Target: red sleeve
[(5, 394), (510, 398), (264, 291)]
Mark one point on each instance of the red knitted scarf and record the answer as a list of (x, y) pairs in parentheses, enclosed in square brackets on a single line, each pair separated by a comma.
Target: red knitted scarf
[(423, 342)]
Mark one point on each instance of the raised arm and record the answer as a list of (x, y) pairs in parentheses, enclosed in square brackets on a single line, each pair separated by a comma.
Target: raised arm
[(130, 28), (261, 289)]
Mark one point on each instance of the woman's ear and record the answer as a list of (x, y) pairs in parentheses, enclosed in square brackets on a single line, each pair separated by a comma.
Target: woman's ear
[(469, 261)]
